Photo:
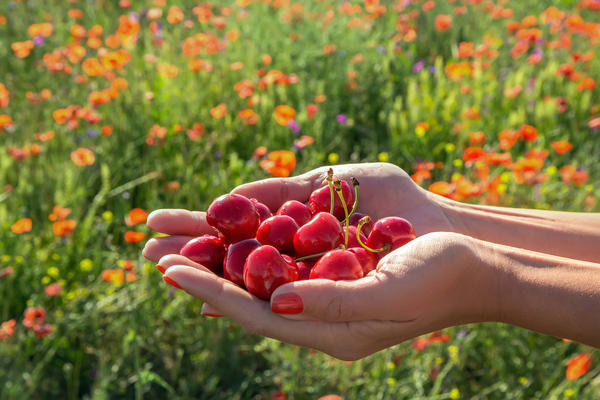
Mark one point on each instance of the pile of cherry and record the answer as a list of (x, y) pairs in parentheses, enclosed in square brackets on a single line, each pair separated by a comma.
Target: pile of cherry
[(325, 238)]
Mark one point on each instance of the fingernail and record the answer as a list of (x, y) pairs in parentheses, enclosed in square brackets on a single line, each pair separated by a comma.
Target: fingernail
[(211, 315), (161, 268), (171, 282), (287, 303)]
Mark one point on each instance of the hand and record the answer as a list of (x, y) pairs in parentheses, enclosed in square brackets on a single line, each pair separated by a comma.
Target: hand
[(426, 285), (385, 190)]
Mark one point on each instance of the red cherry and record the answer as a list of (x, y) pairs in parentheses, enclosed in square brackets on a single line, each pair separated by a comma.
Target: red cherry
[(352, 242), (320, 200), (233, 265), (233, 215), (393, 231), (337, 265), (322, 233), (263, 210), (265, 270), (278, 231), (206, 250), (368, 260), (366, 228), (304, 268), (299, 211)]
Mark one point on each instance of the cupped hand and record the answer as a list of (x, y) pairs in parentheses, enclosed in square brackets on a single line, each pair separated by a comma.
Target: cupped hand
[(385, 190), (426, 285)]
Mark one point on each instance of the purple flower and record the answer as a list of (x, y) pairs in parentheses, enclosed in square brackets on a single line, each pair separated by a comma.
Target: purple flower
[(418, 66), (38, 40), (293, 125), (92, 133), (342, 119), (432, 69), (218, 155)]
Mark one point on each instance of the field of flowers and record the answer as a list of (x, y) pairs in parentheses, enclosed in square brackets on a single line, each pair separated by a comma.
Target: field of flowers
[(111, 109)]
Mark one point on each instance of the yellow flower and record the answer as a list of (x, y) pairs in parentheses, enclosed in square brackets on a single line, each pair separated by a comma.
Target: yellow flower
[(383, 156), (86, 264), (455, 394), (107, 216), (333, 158), (53, 272)]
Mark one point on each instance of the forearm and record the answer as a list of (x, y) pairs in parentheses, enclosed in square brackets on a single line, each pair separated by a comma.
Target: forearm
[(553, 295), (566, 234)]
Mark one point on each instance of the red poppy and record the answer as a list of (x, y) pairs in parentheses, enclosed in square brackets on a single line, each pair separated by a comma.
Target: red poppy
[(64, 227), (578, 366), (83, 156), (136, 216), (279, 163), (441, 188), (443, 22), (284, 114), (21, 226), (7, 329), (561, 146), (134, 237)]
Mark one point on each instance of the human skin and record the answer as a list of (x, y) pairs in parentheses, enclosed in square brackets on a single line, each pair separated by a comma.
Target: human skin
[(530, 268)]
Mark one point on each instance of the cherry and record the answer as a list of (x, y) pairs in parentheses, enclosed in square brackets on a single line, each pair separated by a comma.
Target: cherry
[(366, 228), (368, 260), (233, 265), (322, 233), (263, 210), (233, 215), (320, 200), (304, 268), (265, 270), (337, 265), (352, 241), (299, 211), (206, 250), (391, 231), (278, 231)]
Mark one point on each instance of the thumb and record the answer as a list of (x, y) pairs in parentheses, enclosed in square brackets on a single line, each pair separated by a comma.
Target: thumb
[(273, 192), (326, 300)]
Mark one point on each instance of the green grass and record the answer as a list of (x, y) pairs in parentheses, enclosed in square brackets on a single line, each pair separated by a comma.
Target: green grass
[(141, 339)]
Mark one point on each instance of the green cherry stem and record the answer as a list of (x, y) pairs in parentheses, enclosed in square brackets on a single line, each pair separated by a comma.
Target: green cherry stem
[(330, 183), (338, 189), (310, 256), (361, 222), (355, 184)]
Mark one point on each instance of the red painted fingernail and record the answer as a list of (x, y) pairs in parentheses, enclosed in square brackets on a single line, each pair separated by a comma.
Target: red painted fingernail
[(287, 303), (161, 268), (211, 315), (171, 282)]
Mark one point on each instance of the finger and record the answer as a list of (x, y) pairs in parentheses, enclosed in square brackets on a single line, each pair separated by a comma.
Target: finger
[(155, 248), (179, 222), (251, 313), (169, 260), (273, 192), (367, 298)]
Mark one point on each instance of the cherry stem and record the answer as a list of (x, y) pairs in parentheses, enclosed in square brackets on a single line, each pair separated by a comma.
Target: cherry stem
[(310, 256), (330, 183), (338, 189), (355, 184), (361, 222)]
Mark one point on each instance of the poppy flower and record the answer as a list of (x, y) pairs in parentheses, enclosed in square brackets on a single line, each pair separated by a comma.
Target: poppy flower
[(53, 289), (5, 120), (64, 227), (508, 138), (59, 213), (279, 163), (219, 111), (136, 216), (441, 188), (284, 114), (34, 317), (83, 156), (578, 366), (593, 124), (21, 226), (259, 152), (443, 22), (561, 146), (116, 276), (476, 137), (175, 15), (303, 141), (134, 237), (528, 133), (473, 153), (7, 329), (4, 96), (421, 343)]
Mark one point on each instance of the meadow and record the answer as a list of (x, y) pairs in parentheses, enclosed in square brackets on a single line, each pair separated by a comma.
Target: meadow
[(112, 109)]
